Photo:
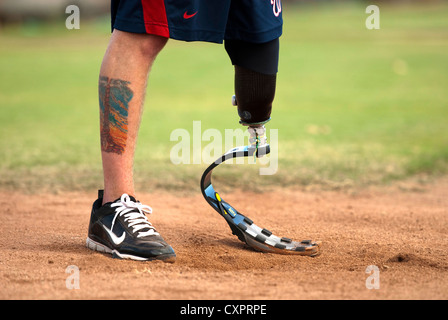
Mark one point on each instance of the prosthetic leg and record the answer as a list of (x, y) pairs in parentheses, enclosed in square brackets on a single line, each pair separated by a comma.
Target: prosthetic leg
[(255, 80), (244, 228), (256, 66)]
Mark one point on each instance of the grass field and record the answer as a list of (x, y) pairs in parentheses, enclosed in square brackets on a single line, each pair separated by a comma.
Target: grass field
[(354, 106)]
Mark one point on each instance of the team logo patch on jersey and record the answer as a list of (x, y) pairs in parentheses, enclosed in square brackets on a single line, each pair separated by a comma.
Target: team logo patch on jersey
[(276, 7)]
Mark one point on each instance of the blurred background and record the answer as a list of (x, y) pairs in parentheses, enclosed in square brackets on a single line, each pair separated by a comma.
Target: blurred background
[(20, 11), (354, 107)]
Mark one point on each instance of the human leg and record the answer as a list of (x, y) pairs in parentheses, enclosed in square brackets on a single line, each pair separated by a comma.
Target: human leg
[(118, 223), (122, 85)]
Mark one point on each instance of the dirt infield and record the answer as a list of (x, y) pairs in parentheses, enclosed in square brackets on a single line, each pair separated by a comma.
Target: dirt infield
[(401, 229)]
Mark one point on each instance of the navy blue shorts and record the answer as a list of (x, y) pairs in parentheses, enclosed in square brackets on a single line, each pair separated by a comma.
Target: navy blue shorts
[(255, 21)]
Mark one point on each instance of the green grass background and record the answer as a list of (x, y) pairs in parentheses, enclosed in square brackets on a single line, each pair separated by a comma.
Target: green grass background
[(354, 107)]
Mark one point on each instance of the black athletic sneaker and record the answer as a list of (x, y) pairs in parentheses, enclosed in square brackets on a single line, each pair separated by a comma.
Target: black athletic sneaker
[(122, 229)]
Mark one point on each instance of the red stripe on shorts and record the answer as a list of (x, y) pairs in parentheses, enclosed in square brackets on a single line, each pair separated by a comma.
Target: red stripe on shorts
[(156, 21)]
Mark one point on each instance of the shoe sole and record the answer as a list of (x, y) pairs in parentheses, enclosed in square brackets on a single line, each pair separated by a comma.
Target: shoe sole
[(99, 247)]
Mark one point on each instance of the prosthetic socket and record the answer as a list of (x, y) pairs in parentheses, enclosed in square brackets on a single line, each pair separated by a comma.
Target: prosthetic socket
[(254, 94), (256, 66)]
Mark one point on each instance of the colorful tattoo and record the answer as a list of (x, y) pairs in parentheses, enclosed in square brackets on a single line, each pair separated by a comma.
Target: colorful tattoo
[(115, 96)]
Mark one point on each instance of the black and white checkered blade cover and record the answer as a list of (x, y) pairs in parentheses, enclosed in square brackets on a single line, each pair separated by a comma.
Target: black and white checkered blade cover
[(258, 238)]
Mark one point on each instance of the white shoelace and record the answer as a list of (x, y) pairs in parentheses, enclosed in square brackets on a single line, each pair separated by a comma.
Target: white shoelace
[(135, 218)]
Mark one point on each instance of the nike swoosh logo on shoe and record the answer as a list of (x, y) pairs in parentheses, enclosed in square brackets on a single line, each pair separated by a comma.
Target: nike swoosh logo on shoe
[(188, 16), (115, 239)]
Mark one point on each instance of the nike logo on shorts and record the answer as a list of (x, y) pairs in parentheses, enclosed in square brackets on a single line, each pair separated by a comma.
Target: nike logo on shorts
[(189, 16)]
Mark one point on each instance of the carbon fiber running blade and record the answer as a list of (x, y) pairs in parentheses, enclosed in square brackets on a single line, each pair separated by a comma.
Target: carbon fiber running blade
[(244, 228)]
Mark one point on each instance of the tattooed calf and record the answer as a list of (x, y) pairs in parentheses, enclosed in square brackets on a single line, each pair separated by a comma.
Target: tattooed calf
[(114, 95)]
